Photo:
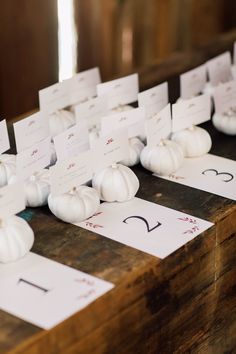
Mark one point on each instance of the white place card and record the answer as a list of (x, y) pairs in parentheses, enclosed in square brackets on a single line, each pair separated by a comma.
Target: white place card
[(110, 149), (191, 112), (33, 159), (12, 200), (71, 173), (159, 127), (72, 141), (219, 69), (83, 85), (44, 292), (92, 111), (210, 173), (225, 97), (31, 130), (193, 82), (128, 119), (4, 138), (154, 99), (120, 91), (54, 97), (146, 226)]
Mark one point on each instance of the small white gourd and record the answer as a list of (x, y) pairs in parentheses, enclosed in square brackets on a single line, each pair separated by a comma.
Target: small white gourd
[(76, 205), (7, 168), (60, 121), (116, 183), (195, 141), (162, 159), (16, 239), (37, 188), (225, 122), (135, 148)]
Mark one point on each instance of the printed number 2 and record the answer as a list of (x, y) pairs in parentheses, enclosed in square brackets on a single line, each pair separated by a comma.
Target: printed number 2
[(220, 174), (145, 221)]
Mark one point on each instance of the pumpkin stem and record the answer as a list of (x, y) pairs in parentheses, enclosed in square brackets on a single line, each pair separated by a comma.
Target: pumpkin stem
[(114, 165)]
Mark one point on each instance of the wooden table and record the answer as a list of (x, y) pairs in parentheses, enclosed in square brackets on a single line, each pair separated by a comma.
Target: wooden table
[(185, 303)]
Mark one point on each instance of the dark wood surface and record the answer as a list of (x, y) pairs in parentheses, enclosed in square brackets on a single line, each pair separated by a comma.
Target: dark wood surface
[(184, 303)]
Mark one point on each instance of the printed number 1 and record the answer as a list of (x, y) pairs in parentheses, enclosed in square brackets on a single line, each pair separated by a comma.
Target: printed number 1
[(219, 174), (33, 285), (145, 221)]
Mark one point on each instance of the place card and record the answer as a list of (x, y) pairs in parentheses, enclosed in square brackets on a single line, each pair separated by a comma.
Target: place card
[(146, 226), (92, 111), (83, 85), (44, 292), (154, 99), (72, 141), (225, 97), (159, 127), (12, 200), (110, 149), (120, 91), (191, 112), (128, 119), (31, 130), (193, 82), (219, 69), (54, 97), (4, 138), (33, 159), (71, 173), (210, 173)]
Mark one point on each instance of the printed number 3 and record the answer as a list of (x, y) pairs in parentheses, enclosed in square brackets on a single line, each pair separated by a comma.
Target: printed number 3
[(145, 221), (219, 173)]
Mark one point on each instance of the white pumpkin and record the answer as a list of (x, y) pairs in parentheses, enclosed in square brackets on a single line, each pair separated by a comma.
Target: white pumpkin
[(75, 206), (122, 108), (135, 148), (195, 141), (16, 239), (60, 121), (163, 159), (37, 188), (225, 123), (116, 183), (7, 168)]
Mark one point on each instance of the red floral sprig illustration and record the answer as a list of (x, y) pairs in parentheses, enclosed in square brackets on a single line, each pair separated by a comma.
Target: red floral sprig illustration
[(189, 220), (177, 178), (94, 226)]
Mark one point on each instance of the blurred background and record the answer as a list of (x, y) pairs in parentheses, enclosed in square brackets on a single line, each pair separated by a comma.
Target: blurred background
[(43, 41)]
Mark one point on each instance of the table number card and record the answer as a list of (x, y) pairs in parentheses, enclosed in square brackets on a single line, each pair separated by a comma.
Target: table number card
[(83, 85), (210, 173), (54, 97), (110, 149), (133, 120), (4, 138), (120, 91), (146, 226), (159, 127), (92, 111), (12, 200), (31, 130), (44, 292), (193, 82), (225, 97), (219, 69), (33, 159), (154, 99), (72, 141), (71, 173), (191, 112)]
